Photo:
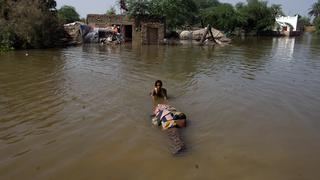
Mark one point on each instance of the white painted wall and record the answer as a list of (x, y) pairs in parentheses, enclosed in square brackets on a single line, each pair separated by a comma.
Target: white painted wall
[(289, 19)]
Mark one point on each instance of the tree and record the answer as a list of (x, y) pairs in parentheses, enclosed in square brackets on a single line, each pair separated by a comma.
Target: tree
[(111, 11), (258, 16), (48, 4), (223, 17), (2, 4), (139, 9), (68, 14), (317, 24), (177, 12), (203, 7), (277, 10), (303, 20), (239, 6), (29, 24), (315, 10), (204, 4), (123, 5)]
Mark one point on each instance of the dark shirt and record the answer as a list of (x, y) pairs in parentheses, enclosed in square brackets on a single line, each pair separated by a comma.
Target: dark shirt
[(161, 94)]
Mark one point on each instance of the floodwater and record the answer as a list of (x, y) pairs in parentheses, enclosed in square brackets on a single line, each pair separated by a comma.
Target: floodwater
[(83, 112)]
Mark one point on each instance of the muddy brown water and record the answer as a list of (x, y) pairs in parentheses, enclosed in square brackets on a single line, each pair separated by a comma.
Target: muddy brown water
[(83, 112)]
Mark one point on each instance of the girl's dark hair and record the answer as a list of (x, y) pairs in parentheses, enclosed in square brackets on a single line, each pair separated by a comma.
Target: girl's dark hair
[(158, 81)]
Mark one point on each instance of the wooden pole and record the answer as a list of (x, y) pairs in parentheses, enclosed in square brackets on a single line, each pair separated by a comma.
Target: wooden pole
[(205, 35), (213, 36)]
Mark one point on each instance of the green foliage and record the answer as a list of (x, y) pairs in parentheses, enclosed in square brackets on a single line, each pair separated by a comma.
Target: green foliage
[(47, 4), (68, 14), (204, 7), (258, 16), (204, 4), (239, 6), (111, 11), (252, 16), (137, 8), (6, 38), (223, 17), (1, 4), (277, 10), (29, 24), (305, 21), (177, 12), (317, 24), (315, 10)]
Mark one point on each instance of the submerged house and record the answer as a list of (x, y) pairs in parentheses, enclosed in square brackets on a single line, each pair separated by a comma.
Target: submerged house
[(287, 25), (147, 31)]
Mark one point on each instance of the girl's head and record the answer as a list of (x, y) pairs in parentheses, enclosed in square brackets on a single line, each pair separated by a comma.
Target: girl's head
[(158, 84)]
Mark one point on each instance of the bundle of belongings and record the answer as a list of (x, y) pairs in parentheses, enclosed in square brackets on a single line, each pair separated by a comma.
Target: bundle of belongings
[(168, 117)]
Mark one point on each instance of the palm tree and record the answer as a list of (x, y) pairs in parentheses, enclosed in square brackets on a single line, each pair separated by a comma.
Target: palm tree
[(277, 10), (315, 9)]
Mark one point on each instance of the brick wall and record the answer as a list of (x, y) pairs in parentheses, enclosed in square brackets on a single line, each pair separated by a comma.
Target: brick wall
[(157, 25), (102, 20), (139, 35)]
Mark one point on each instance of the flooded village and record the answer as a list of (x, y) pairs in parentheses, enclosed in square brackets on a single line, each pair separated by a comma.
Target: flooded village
[(159, 89), (117, 29)]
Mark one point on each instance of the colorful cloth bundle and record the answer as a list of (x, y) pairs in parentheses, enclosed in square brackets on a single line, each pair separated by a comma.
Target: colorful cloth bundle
[(167, 116)]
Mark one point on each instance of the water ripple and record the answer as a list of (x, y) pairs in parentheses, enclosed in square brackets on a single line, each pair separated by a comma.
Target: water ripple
[(259, 93)]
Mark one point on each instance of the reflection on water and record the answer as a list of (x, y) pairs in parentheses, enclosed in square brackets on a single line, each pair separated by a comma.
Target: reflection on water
[(284, 47), (83, 112)]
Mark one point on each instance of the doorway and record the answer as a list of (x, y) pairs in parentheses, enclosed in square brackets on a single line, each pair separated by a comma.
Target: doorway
[(128, 32), (152, 35)]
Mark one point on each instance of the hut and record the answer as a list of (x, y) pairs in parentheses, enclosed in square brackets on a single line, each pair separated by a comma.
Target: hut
[(146, 31), (287, 26)]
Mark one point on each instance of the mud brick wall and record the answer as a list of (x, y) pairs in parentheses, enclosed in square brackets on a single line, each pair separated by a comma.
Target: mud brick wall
[(157, 25)]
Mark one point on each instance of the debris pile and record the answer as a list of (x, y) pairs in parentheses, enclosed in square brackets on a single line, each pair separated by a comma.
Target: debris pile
[(74, 32), (205, 36), (79, 33)]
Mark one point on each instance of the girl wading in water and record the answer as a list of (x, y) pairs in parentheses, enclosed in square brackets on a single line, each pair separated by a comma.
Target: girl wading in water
[(167, 117), (164, 114), (159, 94)]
